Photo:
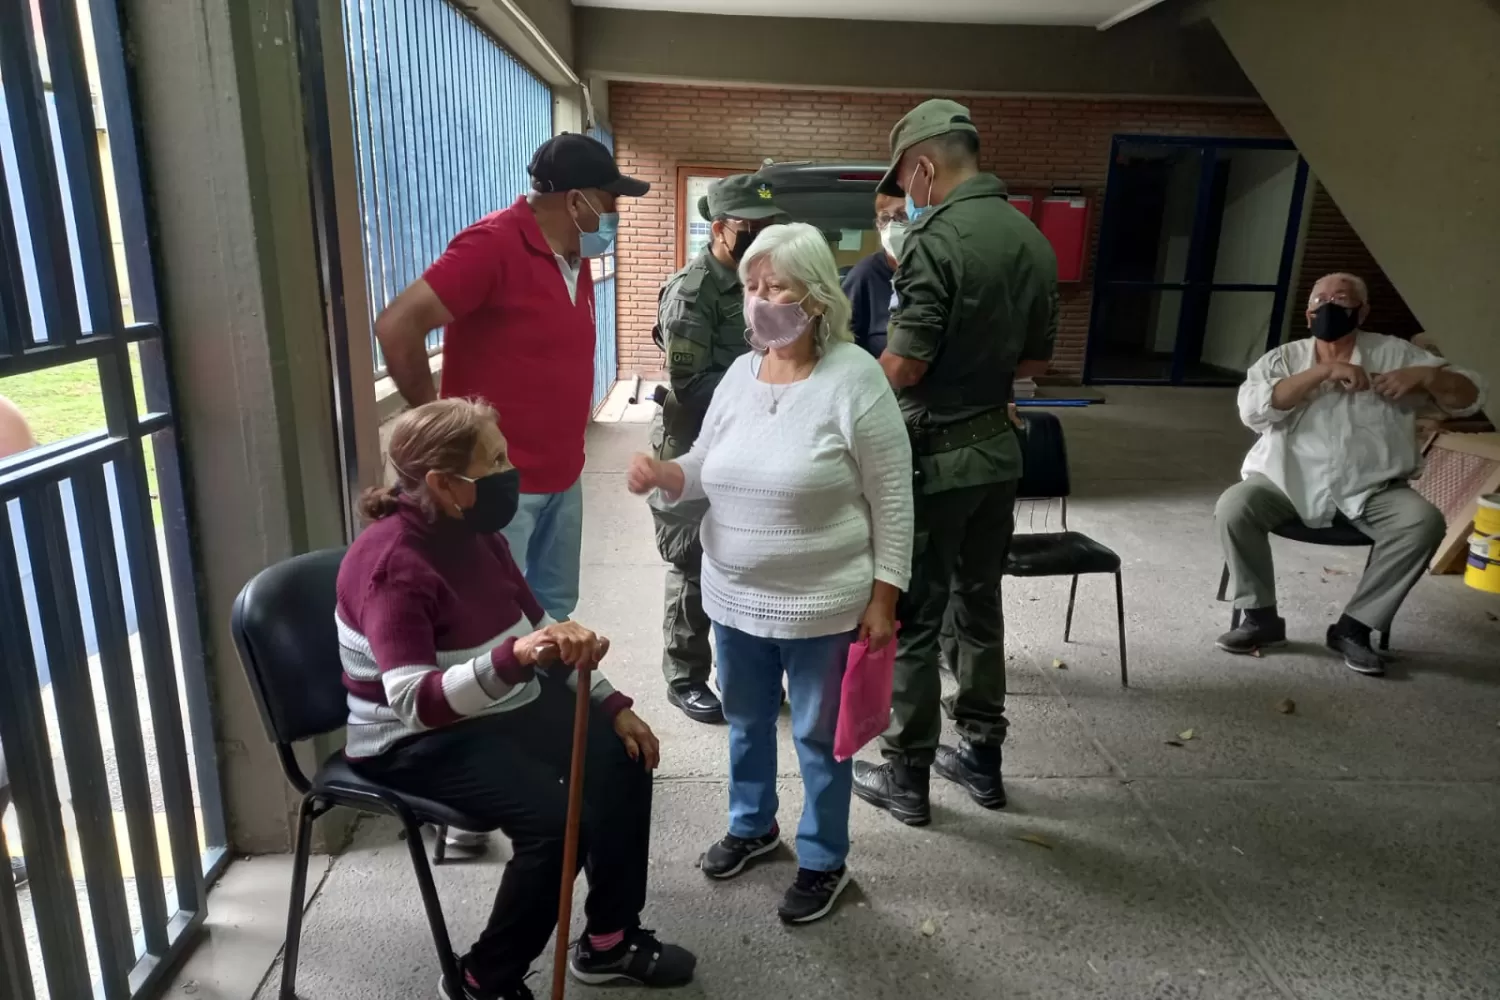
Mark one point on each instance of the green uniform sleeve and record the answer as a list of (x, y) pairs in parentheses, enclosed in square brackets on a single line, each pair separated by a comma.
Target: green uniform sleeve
[(1041, 330), (926, 284), (687, 324)]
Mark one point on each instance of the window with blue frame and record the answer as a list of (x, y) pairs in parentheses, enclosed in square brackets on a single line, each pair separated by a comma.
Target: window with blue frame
[(445, 121)]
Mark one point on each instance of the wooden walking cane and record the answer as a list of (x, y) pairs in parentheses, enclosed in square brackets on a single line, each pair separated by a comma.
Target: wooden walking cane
[(570, 832)]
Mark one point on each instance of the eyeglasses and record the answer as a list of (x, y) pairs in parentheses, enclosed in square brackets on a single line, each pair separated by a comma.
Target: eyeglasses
[(886, 218), (1345, 299)]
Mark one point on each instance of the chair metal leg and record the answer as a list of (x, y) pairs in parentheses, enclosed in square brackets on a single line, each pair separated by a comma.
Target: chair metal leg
[(434, 906), (439, 846), (1068, 623), (1120, 615), (309, 812)]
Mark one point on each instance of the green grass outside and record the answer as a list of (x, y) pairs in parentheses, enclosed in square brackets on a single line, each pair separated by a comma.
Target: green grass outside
[(64, 402)]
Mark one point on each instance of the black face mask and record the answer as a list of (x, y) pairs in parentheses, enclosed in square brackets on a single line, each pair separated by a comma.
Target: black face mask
[(1331, 321), (742, 241), (496, 497)]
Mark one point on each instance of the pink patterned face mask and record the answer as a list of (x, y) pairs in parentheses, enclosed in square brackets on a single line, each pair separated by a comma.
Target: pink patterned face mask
[(775, 324)]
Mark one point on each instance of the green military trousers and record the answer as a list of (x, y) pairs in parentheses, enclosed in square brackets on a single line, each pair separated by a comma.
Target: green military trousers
[(959, 548), (686, 643)]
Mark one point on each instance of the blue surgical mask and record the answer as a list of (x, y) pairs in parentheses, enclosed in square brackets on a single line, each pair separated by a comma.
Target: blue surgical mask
[(599, 243), (913, 212)]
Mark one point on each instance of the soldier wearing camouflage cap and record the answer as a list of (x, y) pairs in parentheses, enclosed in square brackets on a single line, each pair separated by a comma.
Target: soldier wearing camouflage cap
[(701, 329), (976, 308)]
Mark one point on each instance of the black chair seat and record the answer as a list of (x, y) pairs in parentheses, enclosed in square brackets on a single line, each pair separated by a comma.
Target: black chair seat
[(1340, 532), (338, 778), (1059, 553)]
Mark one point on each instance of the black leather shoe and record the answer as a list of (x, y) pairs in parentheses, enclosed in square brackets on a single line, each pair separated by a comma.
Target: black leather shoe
[(976, 770), (1254, 633), (899, 789), (697, 702)]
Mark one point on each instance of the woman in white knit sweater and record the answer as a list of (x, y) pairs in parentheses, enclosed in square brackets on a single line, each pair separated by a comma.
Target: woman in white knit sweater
[(806, 464)]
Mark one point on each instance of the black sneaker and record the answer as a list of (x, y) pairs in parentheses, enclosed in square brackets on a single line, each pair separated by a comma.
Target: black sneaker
[(697, 702), (1356, 651), (897, 788), (472, 991), (1252, 634), (977, 771), (18, 872), (640, 959), (812, 896), (728, 857)]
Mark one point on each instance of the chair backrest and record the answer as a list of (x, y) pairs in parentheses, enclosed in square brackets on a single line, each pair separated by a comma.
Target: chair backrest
[(289, 646), (1044, 456)]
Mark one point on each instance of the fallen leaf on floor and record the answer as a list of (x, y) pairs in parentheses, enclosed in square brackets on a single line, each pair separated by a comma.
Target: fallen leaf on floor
[(928, 928), (1255, 652), (1059, 664), (1286, 706), (1173, 743), (1186, 734), (1335, 572), (1032, 838)]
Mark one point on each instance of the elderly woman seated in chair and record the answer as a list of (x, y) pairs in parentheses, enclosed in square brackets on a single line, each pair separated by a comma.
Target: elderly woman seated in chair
[(461, 690)]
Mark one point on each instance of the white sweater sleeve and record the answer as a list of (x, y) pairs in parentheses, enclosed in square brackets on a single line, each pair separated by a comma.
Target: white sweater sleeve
[(882, 450)]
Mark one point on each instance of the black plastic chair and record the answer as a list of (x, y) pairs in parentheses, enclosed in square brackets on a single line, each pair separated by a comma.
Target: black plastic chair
[(1044, 477), (284, 629), (1339, 534)]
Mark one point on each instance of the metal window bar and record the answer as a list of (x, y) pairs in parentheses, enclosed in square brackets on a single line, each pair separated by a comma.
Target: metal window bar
[(445, 122), (60, 303), (606, 351)]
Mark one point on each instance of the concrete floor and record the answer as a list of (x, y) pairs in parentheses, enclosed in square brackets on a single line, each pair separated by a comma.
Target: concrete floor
[(1344, 851)]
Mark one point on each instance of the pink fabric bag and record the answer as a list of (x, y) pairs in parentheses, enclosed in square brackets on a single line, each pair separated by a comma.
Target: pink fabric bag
[(865, 699)]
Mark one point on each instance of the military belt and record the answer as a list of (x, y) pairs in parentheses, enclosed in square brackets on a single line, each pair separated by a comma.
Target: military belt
[(936, 440)]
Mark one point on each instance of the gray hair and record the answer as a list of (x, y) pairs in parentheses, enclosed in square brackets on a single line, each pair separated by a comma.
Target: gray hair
[(1360, 288), (798, 252)]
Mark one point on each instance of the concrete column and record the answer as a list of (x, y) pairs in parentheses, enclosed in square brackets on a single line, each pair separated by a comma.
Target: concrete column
[(221, 123)]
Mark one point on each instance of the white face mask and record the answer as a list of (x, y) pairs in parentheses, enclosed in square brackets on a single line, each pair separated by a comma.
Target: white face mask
[(893, 238)]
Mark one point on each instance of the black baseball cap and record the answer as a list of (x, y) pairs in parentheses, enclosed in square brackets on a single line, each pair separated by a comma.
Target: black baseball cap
[(571, 161)]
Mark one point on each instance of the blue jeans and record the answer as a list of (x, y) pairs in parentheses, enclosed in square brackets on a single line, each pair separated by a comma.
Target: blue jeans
[(750, 670), (546, 540)]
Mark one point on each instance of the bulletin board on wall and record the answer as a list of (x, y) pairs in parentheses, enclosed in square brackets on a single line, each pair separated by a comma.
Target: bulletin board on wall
[(691, 229)]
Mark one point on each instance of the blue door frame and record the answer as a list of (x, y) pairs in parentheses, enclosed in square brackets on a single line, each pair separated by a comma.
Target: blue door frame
[(1193, 284)]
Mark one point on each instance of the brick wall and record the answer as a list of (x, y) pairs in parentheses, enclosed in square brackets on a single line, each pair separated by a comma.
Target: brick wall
[(1333, 245), (1029, 142)]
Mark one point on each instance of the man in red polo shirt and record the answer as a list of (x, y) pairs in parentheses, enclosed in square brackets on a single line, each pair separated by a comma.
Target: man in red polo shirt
[(516, 295)]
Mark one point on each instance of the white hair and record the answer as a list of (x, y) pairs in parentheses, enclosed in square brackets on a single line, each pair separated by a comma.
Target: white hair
[(1360, 288), (799, 252)]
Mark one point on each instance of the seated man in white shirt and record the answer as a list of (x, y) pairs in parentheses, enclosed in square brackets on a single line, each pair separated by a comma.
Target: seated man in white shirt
[(1336, 415)]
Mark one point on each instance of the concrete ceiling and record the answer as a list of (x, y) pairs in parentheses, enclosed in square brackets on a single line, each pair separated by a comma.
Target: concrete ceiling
[(1090, 13)]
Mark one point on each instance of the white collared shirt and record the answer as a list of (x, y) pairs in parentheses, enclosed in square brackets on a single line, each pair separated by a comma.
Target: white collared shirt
[(1337, 449), (570, 271)]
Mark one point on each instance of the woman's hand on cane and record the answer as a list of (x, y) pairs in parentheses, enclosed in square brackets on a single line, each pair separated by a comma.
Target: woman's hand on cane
[(640, 742), (562, 642)]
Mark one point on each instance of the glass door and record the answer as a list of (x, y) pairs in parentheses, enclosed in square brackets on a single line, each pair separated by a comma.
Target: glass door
[(1194, 258)]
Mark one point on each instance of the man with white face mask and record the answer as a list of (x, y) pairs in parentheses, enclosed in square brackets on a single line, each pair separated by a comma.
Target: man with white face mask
[(977, 307), (868, 283)]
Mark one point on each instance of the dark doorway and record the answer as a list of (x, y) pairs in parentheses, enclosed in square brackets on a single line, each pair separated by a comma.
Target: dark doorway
[(1194, 258)]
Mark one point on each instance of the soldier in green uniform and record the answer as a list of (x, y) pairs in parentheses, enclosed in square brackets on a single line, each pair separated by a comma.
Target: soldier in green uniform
[(701, 328), (977, 308)]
